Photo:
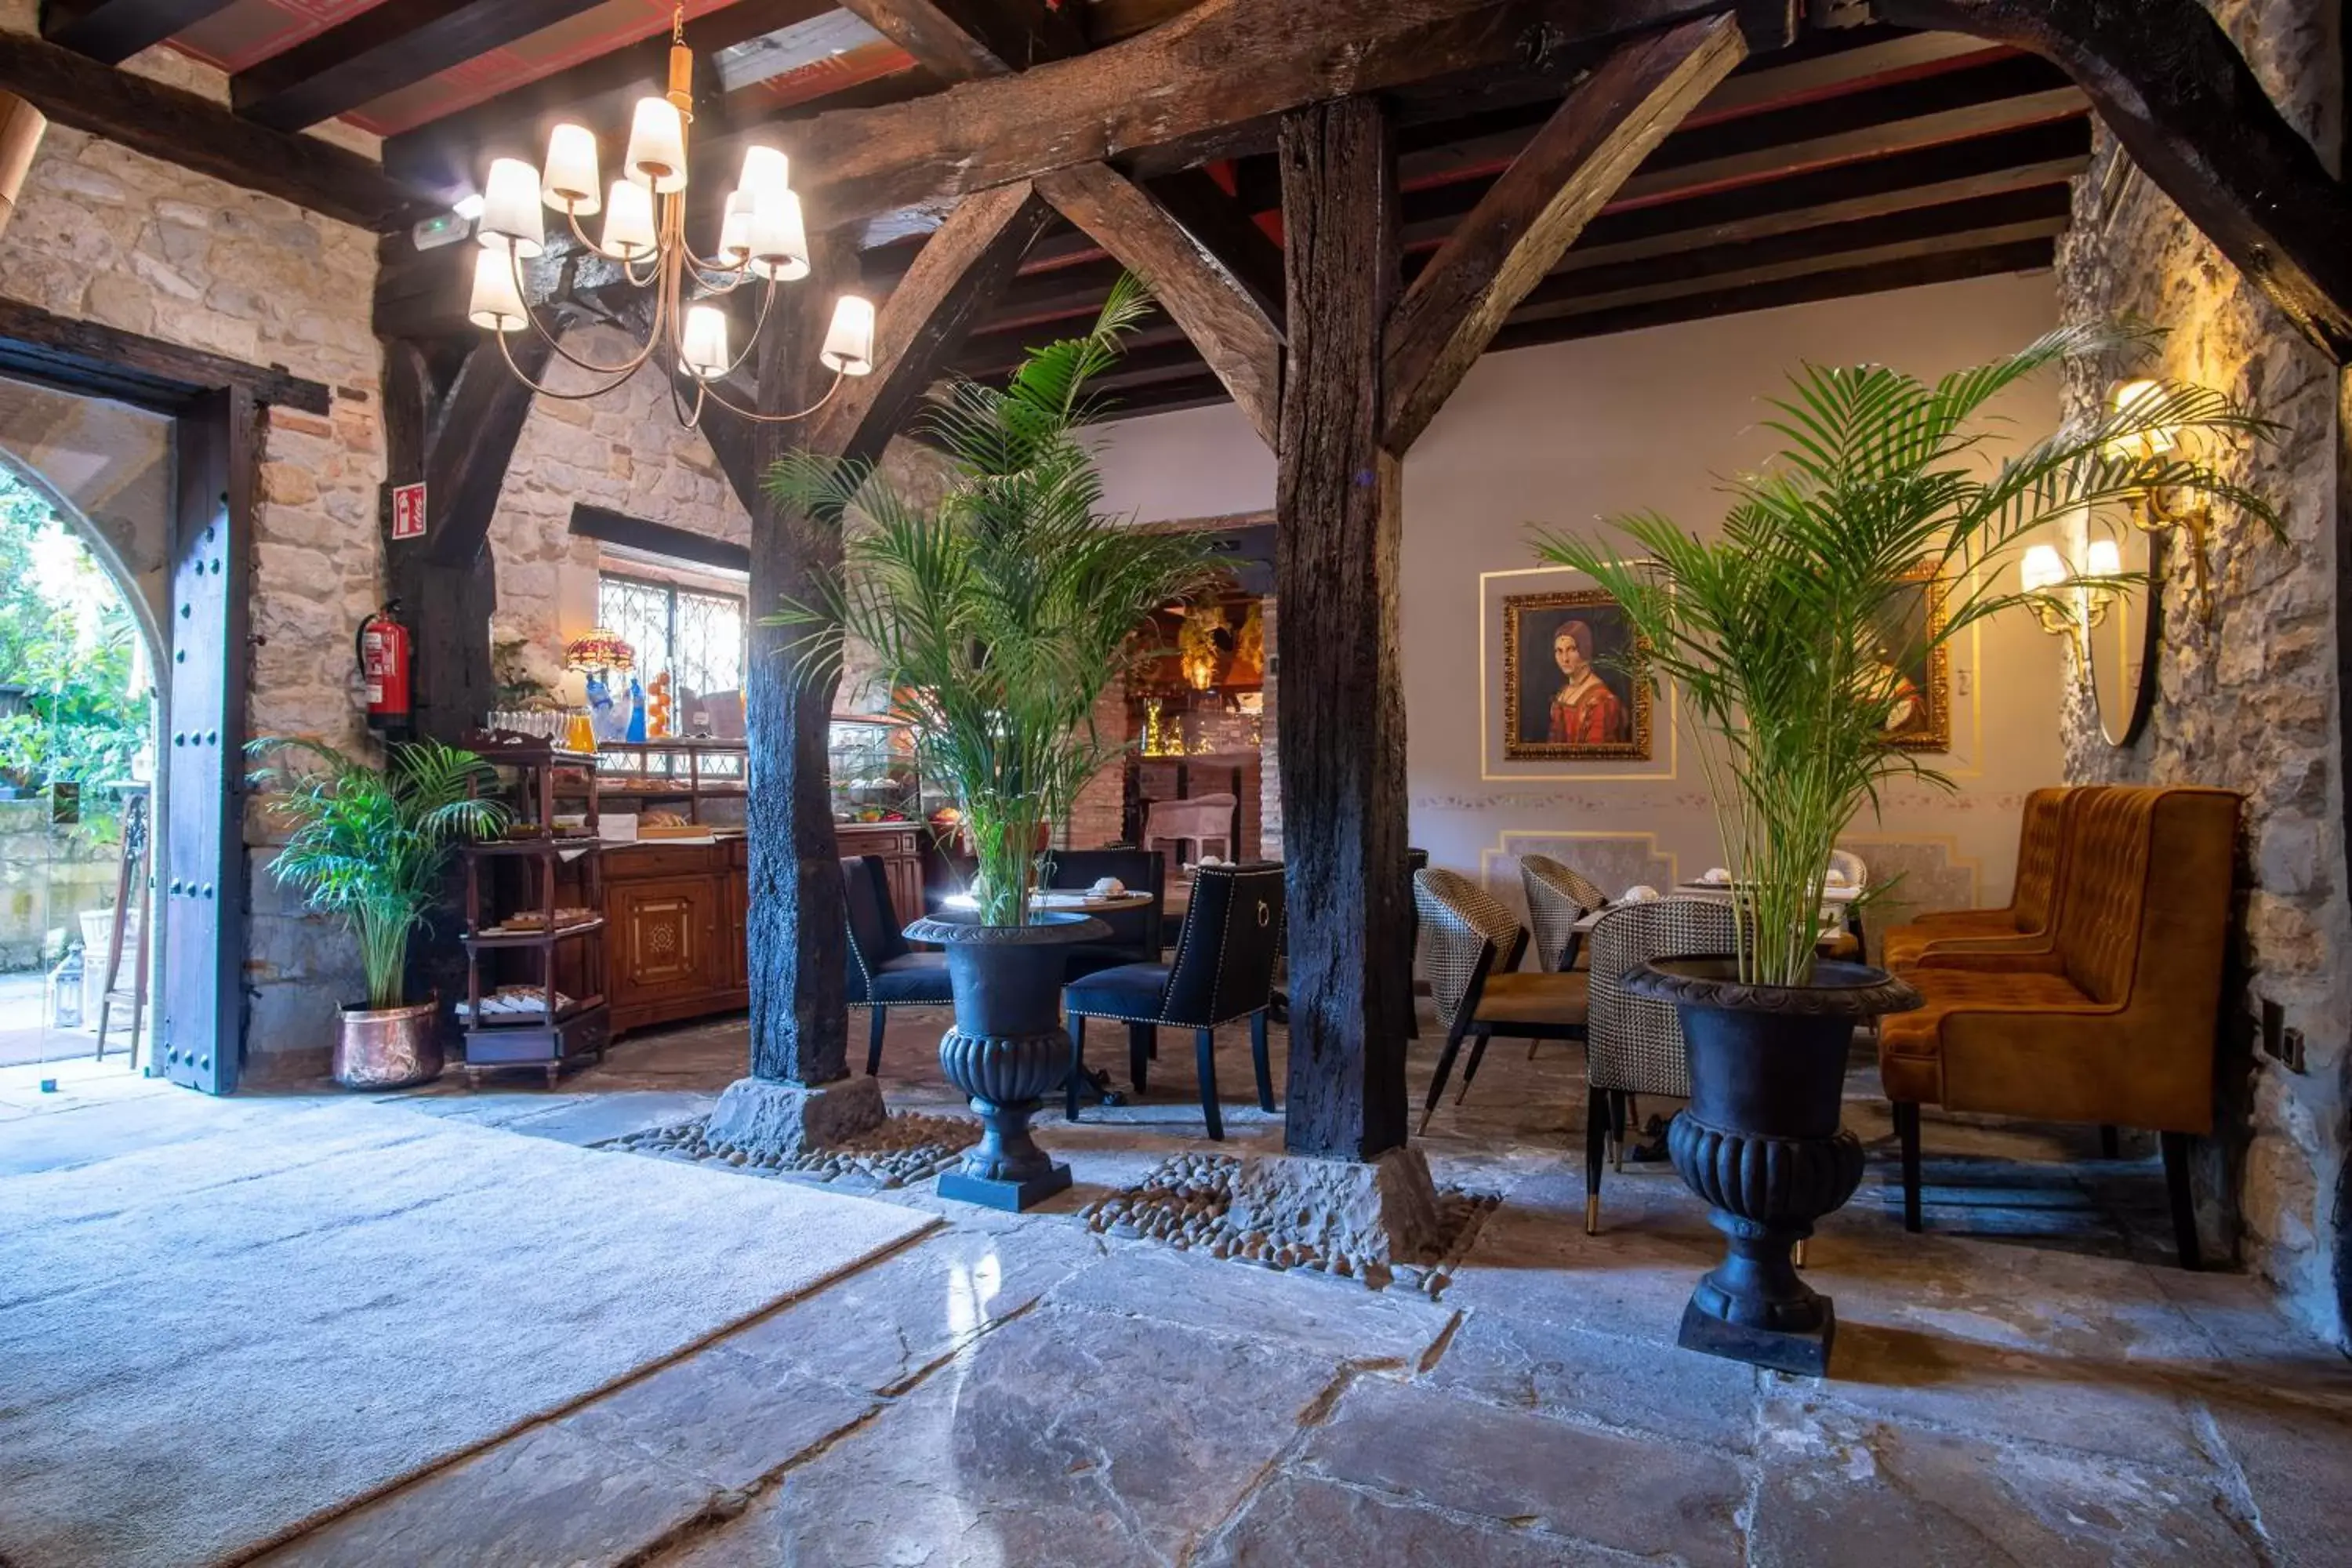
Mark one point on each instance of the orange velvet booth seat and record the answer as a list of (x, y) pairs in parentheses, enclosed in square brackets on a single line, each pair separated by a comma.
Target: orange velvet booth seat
[(2042, 842), (2114, 1021)]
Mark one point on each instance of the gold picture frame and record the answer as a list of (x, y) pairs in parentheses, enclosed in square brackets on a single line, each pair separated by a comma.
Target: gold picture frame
[(1544, 718), (1925, 667)]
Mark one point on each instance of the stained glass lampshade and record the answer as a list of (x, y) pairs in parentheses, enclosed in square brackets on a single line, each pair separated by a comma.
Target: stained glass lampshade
[(602, 648)]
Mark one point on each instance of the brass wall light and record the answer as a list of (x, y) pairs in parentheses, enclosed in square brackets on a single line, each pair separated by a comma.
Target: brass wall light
[(2070, 602), (2150, 513)]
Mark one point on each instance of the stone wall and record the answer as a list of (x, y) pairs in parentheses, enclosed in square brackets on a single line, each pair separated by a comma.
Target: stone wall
[(48, 876), (107, 235), (2249, 702)]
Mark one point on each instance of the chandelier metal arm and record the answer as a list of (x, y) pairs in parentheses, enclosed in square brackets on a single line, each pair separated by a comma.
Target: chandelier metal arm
[(553, 341), (723, 401), (506, 348)]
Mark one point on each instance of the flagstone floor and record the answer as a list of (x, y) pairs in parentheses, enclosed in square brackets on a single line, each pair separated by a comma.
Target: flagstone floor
[(2032, 1382)]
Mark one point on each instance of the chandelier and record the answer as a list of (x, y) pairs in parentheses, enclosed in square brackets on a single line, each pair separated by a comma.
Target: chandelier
[(762, 236)]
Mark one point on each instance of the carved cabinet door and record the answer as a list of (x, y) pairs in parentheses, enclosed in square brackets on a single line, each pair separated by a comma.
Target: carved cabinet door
[(666, 938)]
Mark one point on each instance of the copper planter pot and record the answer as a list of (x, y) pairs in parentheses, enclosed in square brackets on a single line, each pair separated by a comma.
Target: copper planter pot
[(390, 1047)]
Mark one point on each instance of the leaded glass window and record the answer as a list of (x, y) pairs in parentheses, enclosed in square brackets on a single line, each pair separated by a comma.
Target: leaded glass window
[(694, 635)]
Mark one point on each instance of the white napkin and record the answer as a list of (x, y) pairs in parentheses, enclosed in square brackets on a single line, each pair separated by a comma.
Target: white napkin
[(1715, 877), (1107, 888), (1640, 893)]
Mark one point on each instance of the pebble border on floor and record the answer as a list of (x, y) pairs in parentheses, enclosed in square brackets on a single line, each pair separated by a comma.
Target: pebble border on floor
[(1184, 1203), (907, 1148)]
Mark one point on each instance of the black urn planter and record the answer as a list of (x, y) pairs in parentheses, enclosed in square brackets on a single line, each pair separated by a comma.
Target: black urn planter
[(1760, 1141), (1008, 1049)]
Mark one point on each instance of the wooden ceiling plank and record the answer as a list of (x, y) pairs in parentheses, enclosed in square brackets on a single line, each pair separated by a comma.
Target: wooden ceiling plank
[(1230, 330), (445, 155), (2181, 98), (114, 30), (1530, 216), (1733, 271), (380, 50), (1834, 283), (921, 326), (178, 127), (1174, 91)]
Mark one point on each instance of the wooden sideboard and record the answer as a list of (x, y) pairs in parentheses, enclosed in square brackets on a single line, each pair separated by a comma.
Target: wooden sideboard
[(674, 925)]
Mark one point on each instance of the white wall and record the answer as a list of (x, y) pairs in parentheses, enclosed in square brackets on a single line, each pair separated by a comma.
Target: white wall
[(1565, 434)]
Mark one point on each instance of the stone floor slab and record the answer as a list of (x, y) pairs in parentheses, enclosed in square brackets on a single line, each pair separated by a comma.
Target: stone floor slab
[(549, 1497), (726, 1417), (1065, 1438), (1589, 1379), (880, 1329), (1340, 1319), (1298, 1522), (1838, 1492), (1638, 1495)]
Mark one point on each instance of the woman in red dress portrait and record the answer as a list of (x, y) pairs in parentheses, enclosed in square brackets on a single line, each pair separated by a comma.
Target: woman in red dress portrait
[(1584, 711)]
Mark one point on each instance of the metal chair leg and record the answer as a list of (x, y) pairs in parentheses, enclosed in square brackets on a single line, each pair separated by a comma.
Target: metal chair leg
[(2175, 1147), (1437, 1079), (1470, 1067), (1204, 1055), (1142, 1045), (1596, 1131), (874, 1040), (1620, 1103), (2111, 1141), (1259, 1060), (1797, 1253), (1078, 1066)]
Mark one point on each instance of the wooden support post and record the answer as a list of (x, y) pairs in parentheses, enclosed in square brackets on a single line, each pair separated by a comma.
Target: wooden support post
[(1528, 218), (456, 433), (1336, 563), (798, 940), (2168, 82)]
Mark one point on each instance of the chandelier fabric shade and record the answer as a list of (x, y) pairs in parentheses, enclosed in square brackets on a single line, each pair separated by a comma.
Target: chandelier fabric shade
[(496, 305), (849, 343), (510, 209), (762, 236), (569, 180), (657, 157)]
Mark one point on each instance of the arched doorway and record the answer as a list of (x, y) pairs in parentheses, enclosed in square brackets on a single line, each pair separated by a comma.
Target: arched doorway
[(85, 512)]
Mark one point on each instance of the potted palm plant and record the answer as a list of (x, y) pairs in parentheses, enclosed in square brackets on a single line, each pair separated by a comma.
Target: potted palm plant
[(1774, 632), (997, 617), (371, 845)]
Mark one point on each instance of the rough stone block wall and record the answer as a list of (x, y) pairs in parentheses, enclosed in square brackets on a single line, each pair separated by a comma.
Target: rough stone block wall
[(107, 235), (2250, 703)]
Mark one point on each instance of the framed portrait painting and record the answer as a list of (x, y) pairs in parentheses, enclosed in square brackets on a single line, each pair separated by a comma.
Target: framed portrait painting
[(1916, 676), (1574, 685)]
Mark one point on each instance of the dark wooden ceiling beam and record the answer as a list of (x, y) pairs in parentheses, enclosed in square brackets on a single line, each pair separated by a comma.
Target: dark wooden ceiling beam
[(1227, 325), (114, 30), (1186, 90), (922, 326), (380, 50), (178, 127), (964, 40), (1224, 225), (2181, 98), (1526, 221)]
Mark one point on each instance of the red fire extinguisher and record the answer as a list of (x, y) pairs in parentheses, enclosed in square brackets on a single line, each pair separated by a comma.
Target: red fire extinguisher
[(383, 650)]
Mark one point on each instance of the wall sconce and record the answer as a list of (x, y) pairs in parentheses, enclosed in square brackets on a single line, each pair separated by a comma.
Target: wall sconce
[(2065, 600), (2148, 511)]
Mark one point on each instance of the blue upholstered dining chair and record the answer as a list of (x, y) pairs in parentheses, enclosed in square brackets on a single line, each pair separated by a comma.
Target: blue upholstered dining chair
[(1224, 970), (1136, 935), (885, 969)]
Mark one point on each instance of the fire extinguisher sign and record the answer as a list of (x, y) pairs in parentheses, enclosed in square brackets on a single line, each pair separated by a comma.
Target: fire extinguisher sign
[(408, 510)]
